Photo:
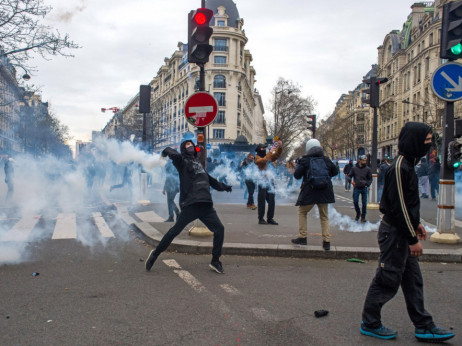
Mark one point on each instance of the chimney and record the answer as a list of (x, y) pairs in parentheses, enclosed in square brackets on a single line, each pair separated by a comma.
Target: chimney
[(418, 11)]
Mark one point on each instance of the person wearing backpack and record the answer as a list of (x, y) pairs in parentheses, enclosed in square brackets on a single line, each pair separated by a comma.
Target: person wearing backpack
[(362, 179), (316, 171)]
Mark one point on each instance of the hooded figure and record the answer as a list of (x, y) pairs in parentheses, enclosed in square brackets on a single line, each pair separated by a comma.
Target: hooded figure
[(195, 202), (399, 234)]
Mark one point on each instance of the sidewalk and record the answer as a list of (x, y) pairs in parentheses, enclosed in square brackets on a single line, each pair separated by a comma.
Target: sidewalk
[(244, 236)]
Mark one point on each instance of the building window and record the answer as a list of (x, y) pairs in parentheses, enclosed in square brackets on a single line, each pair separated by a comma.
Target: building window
[(431, 39), (219, 81), (220, 98), (218, 134), (220, 45), (197, 84), (220, 118), (220, 23), (220, 60)]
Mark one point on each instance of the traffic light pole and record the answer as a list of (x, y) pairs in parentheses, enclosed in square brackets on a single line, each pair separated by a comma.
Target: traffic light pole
[(373, 200), (446, 198), (201, 133)]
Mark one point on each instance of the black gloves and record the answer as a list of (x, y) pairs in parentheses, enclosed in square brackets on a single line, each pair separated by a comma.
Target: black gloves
[(228, 188)]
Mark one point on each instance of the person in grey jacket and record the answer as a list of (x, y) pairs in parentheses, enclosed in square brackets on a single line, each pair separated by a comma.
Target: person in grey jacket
[(310, 196), (362, 179)]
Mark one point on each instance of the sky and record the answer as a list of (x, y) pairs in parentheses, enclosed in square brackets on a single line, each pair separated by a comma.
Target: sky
[(326, 47)]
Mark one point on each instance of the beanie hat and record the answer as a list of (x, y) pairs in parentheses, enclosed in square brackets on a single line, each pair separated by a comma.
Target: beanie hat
[(311, 144)]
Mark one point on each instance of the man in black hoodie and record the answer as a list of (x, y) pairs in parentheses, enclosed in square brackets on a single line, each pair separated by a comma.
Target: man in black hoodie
[(195, 202), (398, 236), (362, 179)]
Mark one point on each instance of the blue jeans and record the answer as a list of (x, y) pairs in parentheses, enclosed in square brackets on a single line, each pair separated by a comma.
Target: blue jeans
[(363, 192)]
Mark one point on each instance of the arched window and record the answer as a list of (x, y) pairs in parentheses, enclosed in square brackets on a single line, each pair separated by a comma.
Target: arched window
[(219, 81)]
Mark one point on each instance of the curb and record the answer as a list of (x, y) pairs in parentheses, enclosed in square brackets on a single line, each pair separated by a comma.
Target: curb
[(152, 236)]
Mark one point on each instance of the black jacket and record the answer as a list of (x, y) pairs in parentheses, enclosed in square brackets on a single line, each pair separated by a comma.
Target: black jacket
[(400, 201), (307, 194), (362, 176), (347, 168), (194, 180)]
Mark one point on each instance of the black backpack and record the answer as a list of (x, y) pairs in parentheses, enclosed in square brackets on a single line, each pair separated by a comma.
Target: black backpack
[(317, 176)]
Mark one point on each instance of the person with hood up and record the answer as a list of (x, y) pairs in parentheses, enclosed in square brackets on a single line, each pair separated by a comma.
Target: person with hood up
[(265, 184), (362, 179), (310, 195), (195, 202), (346, 171), (399, 233)]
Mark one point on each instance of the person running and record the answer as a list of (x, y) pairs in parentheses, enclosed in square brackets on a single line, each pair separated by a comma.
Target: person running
[(398, 236), (195, 203)]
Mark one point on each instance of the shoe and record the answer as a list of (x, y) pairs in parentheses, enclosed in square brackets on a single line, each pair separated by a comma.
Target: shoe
[(363, 219), (381, 333), (346, 190), (150, 261), (326, 245), (357, 217), (433, 199), (248, 206), (217, 267), (433, 334), (170, 219), (299, 241), (253, 206), (262, 222), (272, 222)]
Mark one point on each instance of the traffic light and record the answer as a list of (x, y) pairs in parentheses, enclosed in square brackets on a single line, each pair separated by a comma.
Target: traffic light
[(454, 154), (199, 33), (374, 90), (311, 119), (451, 31)]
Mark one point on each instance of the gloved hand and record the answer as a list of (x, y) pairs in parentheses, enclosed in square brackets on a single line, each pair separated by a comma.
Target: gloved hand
[(228, 188)]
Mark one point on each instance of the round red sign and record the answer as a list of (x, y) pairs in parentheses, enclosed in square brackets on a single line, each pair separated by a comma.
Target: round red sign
[(200, 109)]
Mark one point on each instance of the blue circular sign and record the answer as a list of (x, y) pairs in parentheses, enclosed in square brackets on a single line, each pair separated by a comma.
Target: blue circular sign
[(447, 82)]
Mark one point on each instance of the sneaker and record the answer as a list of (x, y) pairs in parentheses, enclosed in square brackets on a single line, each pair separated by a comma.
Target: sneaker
[(253, 206), (150, 261), (248, 206), (381, 333), (299, 241), (433, 334), (272, 222), (357, 217), (326, 245), (262, 222), (363, 219), (217, 267)]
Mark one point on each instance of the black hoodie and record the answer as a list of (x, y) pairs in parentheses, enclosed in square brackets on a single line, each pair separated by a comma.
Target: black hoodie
[(194, 180), (400, 201)]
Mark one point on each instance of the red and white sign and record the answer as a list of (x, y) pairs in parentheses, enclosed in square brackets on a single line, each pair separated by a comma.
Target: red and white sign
[(201, 109)]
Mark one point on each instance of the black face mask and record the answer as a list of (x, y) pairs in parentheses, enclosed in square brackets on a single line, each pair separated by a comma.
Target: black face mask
[(261, 153), (190, 151), (427, 148)]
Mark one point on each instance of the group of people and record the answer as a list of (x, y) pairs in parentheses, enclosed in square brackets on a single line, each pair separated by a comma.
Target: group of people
[(399, 234)]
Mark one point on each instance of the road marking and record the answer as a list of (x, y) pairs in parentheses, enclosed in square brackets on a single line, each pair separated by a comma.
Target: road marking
[(124, 215), (190, 280), (22, 229), (172, 263), (149, 216), (102, 225), (230, 289), (66, 227)]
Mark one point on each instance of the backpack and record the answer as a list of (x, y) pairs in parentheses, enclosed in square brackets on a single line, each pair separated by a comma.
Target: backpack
[(317, 176)]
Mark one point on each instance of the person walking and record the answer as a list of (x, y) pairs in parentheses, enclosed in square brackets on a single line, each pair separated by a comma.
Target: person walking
[(195, 203), (399, 233), (362, 179), (245, 167), (171, 188), (384, 164), (422, 174), (314, 165), (346, 171), (434, 176), (9, 178), (266, 184), (290, 169)]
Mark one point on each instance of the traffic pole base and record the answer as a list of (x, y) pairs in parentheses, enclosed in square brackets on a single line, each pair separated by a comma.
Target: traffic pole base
[(198, 231), (445, 238), (373, 206)]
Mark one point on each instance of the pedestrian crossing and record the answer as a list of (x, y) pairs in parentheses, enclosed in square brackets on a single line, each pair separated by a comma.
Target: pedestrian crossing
[(65, 227)]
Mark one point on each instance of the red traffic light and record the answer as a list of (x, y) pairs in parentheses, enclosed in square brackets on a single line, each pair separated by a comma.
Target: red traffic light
[(200, 18)]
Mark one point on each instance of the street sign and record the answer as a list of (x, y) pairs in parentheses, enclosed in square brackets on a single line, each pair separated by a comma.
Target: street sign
[(209, 146), (447, 82), (201, 109)]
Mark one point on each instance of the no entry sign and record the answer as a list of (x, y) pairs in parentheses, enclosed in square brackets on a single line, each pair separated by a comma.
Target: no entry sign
[(200, 109)]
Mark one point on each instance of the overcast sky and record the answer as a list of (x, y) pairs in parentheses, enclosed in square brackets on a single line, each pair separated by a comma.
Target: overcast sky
[(324, 46)]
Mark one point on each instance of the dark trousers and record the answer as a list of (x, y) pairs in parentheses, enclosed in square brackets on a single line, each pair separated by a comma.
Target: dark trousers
[(250, 190), (396, 267), (172, 208), (363, 192), (434, 185), (204, 212), (265, 196)]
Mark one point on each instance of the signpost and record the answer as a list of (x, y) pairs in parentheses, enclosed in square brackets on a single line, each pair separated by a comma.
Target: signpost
[(447, 85), (201, 109)]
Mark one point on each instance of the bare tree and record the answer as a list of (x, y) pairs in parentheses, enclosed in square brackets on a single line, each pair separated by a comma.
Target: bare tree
[(291, 110), (21, 33)]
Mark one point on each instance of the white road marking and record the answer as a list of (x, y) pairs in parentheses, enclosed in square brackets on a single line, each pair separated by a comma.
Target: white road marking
[(230, 289), (190, 280), (102, 225), (22, 229), (172, 263), (149, 216), (66, 227)]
